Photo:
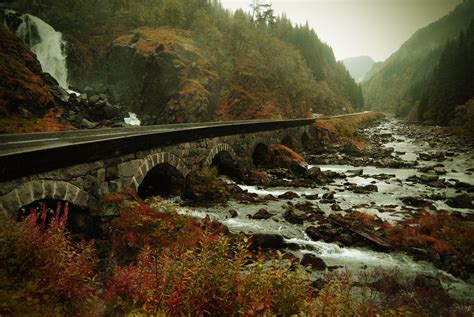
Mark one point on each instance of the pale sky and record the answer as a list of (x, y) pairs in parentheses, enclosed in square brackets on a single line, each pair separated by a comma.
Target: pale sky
[(376, 28)]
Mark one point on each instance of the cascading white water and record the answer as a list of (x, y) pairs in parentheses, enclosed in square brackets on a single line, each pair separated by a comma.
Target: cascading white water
[(47, 44)]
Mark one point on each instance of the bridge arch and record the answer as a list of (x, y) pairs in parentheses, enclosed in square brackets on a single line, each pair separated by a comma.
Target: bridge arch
[(260, 154), (37, 190), (221, 147), (152, 160)]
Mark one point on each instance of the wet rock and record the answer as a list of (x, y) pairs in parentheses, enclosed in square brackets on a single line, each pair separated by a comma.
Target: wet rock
[(437, 196), (358, 172), (233, 213), (312, 197), (329, 195), (313, 233), (267, 241), (345, 239), (262, 214), (351, 149), (336, 207), (460, 201), (427, 282), (310, 260), (293, 218), (416, 201), (306, 207), (298, 167), (383, 176), (289, 195), (279, 172), (462, 185), (365, 189), (318, 176), (428, 178)]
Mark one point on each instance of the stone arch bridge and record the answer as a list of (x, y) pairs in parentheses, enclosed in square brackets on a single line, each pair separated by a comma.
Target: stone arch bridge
[(82, 166)]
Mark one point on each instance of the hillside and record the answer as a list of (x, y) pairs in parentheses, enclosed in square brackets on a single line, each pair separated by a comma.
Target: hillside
[(452, 83), (26, 101), (200, 62), (399, 84), (358, 67)]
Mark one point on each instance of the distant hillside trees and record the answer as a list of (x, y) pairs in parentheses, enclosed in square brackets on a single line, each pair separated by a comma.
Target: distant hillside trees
[(399, 84), (452, 83)]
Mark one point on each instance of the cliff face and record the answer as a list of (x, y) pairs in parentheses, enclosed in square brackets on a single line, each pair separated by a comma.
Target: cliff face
[(162, 75), (26, 102)]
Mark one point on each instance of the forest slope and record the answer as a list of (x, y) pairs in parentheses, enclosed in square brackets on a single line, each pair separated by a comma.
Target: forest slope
[(398, 86), (247, 67)]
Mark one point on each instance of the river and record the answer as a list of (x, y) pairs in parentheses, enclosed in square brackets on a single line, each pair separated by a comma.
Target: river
[(454, 167)]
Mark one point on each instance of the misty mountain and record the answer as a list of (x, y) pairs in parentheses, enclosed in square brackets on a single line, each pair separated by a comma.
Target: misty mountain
[(358, 66), (399, 85)]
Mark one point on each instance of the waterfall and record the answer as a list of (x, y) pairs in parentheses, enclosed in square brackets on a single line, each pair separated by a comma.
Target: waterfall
[(46, 43)]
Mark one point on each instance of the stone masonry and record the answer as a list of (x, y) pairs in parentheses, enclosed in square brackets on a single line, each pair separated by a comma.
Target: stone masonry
[(85, 184)]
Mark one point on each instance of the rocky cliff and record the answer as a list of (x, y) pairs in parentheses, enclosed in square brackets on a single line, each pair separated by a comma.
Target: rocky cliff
[(162, 74), (26, 101)]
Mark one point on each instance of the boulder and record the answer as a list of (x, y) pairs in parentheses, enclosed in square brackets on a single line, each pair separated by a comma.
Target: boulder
[(313, 233), (233, 213), (351, 149), (345, 239), (289, 195), (329, 195), (262, 214), (267, 241), (293, 218), (460, 201), (310, 260), (416, 201)]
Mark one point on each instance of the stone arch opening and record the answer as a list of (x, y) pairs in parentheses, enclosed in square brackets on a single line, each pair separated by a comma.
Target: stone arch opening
[(226, 165), (152, 161), (287, 141), (305, 141), (79, 221), (162, 180), (261, 155)]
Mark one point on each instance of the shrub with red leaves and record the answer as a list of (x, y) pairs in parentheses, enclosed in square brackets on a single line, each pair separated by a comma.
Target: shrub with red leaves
[(42, 266)]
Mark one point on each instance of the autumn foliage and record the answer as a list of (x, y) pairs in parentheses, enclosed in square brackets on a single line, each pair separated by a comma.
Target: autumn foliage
[(440, 231), (42, 270), (25, 99), (346, 127), (162, 263)]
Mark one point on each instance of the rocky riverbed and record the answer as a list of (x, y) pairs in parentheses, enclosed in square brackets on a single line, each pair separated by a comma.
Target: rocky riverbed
[(342, 210)]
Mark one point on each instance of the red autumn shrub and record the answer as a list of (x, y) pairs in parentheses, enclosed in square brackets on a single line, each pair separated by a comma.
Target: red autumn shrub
[(43, 267)]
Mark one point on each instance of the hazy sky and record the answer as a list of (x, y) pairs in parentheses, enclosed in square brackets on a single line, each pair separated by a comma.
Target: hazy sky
[(376, 28)]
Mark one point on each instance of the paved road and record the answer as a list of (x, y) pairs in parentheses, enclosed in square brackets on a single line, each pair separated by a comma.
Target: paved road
[(31, 142), (28, 142)]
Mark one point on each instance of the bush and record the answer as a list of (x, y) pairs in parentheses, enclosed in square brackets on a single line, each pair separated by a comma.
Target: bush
[(205, 185), (42, 270), (211, 279)]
